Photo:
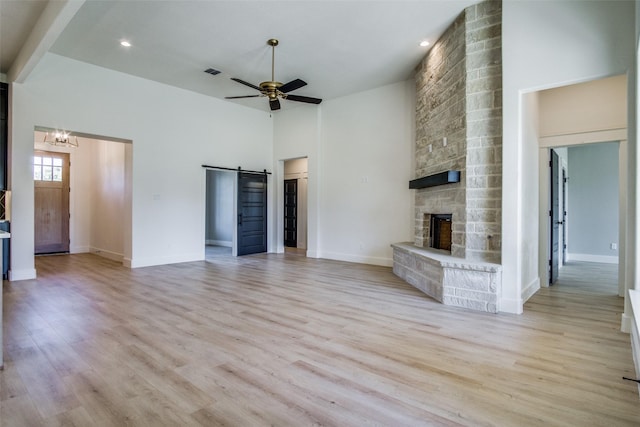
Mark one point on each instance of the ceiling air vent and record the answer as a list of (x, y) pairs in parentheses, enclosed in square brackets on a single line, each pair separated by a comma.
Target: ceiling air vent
[(212, 71)]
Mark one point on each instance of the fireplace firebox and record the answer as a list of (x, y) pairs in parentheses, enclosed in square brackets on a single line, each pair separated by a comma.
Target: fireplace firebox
[(440, 230)]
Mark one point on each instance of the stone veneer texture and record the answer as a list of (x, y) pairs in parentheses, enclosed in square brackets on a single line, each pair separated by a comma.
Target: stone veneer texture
[(459, 97)]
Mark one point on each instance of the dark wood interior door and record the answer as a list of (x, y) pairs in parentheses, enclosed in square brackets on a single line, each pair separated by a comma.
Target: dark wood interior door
[(51, 181), (554, 216), (291, 213), (252, 213)]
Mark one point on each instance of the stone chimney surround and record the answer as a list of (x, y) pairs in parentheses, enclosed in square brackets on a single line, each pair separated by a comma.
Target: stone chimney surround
[(459, 128)]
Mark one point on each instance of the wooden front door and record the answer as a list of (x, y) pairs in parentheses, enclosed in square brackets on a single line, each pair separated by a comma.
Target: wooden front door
[(51, 178)]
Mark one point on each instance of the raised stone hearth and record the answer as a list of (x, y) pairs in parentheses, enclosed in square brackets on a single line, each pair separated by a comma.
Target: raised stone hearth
[(450, 280)]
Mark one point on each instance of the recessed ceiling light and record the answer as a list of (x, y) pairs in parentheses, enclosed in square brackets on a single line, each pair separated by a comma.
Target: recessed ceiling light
[(125, 43), (424, 43)]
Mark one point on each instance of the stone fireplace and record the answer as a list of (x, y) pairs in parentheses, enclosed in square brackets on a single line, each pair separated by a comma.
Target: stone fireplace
[(459, 130)]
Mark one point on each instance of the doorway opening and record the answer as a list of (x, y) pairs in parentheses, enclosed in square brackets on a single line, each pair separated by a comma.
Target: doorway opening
[(220, 227), (295, 205), (584, 205), (235, 212), (91, 212)]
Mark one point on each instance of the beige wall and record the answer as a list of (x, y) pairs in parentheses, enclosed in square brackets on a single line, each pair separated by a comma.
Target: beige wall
[(592, 106)]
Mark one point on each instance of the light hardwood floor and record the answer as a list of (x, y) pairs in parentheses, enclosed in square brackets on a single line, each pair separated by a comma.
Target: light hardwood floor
[(286, 340)]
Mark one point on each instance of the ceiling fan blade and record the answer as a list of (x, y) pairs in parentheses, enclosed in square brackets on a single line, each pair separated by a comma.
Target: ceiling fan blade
[(306, 99), (243, 96), (246, 83), (274, 104), (292, 85)]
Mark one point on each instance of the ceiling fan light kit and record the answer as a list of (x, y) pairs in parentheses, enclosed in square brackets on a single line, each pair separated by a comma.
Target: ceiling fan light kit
[(275, 90)]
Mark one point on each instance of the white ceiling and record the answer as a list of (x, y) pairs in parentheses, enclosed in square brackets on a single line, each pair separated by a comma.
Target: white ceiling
[(17, 18), (337, 47)]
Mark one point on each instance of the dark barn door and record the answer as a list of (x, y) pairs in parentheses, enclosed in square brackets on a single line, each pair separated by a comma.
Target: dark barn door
[(252, 213), (554, 214), (291, 213)]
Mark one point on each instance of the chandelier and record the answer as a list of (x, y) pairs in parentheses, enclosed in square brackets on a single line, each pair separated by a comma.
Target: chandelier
[(60, 139)]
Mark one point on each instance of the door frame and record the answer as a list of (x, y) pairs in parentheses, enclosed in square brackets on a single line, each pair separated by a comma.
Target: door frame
[(269, 207), (80, 246), (545, 145), (564, 214), (311, 201), (234, 230)]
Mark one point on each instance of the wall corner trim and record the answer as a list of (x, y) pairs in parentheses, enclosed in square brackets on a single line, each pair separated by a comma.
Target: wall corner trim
[(26, 274), (513, 306)]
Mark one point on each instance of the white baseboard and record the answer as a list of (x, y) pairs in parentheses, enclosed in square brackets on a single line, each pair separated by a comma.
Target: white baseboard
[(635, 350), (626, 324), (114, 256), (361, 259), (79, 249), (530, 289), (173, 259), (219, 243), (26, 274), (605, 259), (631, 323)]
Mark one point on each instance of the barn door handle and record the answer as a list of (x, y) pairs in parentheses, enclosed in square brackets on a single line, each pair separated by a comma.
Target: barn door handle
[(239, 219)]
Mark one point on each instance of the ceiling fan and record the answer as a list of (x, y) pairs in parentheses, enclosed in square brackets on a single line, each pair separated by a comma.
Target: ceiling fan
[(275, 90)]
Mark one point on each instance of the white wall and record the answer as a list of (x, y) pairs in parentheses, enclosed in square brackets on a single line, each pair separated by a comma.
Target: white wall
[(593, 202), (545, 45), (529, 171), (360, 153), (173, 132), (366, 150), (296, 135)]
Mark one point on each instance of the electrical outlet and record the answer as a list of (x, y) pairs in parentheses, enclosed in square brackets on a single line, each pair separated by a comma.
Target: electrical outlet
[(614, 246)]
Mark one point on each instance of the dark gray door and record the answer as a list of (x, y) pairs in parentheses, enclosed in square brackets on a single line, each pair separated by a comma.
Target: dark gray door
[(554, 214), (291, 213), (252, 213)]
